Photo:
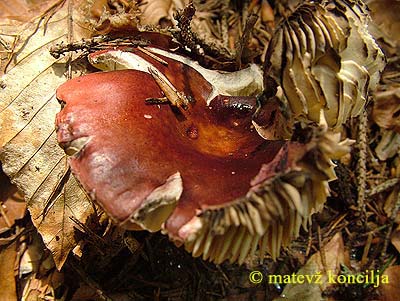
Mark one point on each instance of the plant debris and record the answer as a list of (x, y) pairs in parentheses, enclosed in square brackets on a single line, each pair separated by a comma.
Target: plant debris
[(66, 248)]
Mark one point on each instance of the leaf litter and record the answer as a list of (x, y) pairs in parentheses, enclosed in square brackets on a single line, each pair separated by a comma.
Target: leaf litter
[(154, 268), (30, 153)]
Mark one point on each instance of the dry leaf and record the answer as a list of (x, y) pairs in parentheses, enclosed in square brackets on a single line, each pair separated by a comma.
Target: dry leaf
[(391, 291), (334, 256), (395, 239), (8, 289), (389, 144), (386, 19), (24, 10), (12, 204), (155, 10), (30, 154), (387, 108)]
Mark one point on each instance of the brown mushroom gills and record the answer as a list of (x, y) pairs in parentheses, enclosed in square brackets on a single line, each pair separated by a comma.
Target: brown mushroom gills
[(130, 148)]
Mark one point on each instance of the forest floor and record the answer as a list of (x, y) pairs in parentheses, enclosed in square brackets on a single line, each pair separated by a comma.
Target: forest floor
[(359, 223)]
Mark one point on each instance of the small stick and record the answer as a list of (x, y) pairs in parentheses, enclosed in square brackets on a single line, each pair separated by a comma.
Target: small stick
[(152, 55), (176, 98), (321, 249), (362, 164), (251, 21), (384, 186), (3, 213), (366, 250)]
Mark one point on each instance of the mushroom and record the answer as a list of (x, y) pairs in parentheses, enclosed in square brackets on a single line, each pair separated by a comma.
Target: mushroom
[(160, 142), (323, 57), (170, 145)]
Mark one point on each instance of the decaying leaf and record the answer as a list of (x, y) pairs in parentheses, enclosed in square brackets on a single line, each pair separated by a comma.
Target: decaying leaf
[(41, 280), (390, 291), (155, 11), (112, 16), (29, 151), (387, 108), (8, 287), (13, 206), (333, 253), (386, 19), (323, 57), (388, 145), (395, 239)]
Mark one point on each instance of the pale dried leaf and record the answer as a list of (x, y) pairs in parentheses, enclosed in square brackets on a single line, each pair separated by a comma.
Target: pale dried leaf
[(30, 154)]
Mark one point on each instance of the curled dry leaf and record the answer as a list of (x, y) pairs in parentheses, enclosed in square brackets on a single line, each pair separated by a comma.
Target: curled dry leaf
[(323, 57), (29, 152), (190, 165)]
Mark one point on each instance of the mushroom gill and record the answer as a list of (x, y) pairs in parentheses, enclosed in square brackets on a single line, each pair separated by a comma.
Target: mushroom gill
[(281, 199), (323, 57)]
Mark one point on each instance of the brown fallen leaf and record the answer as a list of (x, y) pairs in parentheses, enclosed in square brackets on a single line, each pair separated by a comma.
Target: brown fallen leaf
[(388, 145), (39, 280), (8, 289), (395, 239), (387, 108), (24, 11), (386, 19), (12, 204), (391, 291), (334, 256), (29, 151), (153, 11)]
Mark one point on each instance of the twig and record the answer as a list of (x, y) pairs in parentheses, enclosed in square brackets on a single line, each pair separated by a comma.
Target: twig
[(4, 215), (382, 187), (94, 43), (321, 249), (366, 250), (310, 239), (90, 282), (362, 163), (250, 22), (189, 39)]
